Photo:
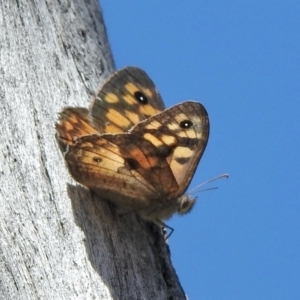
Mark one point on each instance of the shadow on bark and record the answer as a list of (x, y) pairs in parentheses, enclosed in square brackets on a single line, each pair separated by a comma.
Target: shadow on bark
[(107, 229)]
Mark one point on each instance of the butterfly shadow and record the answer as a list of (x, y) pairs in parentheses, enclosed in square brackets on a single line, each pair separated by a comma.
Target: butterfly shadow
[(119, 243)]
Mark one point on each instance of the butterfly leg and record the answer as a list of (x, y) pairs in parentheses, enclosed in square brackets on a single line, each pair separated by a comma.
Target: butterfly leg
[(164, 228)]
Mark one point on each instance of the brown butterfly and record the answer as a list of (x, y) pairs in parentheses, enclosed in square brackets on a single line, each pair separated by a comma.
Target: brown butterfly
[(130, 150)]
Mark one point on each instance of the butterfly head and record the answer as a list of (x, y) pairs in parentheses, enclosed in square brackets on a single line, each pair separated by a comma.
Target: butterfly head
[(186, 203)]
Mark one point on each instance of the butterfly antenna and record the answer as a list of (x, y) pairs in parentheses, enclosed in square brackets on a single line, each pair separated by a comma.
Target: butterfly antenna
[(208, 181), (209, 189)]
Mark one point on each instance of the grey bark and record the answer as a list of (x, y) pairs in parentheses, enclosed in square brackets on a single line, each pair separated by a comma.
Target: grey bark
[(57, 239)]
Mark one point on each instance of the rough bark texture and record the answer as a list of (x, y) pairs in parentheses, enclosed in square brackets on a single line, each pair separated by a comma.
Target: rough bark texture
[(57, 240)]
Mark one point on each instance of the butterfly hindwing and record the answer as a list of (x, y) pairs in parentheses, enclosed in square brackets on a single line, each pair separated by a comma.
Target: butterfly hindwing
[(73, 123), (123, 166), (126, 98)]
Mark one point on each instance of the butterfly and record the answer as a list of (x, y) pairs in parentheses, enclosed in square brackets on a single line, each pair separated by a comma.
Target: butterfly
[(132, 151)]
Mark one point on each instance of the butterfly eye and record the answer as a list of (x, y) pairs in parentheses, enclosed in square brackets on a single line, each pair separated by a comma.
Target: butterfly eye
[(186, 124), (140, 97), (185, 204)]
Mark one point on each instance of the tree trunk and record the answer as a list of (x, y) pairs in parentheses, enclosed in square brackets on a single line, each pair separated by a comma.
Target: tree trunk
[(58, 240)]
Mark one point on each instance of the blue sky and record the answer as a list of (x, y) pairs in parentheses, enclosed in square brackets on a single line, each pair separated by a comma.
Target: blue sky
[(241, 60)]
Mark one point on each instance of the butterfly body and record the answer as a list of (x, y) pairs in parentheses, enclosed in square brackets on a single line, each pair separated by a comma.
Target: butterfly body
[(143, 159)]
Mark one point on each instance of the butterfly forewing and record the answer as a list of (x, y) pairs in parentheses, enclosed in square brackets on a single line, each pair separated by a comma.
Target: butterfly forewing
[(180, 133), (126, 98)]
